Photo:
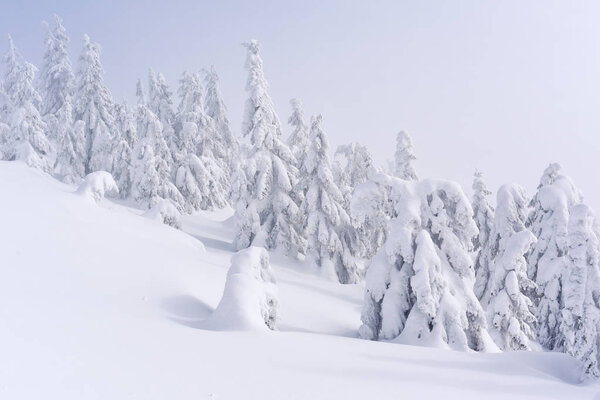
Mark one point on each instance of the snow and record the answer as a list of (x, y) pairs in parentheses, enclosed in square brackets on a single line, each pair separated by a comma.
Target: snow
[(110, 305), (97, 185)]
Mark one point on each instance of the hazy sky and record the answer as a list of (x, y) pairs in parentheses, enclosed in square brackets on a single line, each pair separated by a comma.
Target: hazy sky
[(503, 86)]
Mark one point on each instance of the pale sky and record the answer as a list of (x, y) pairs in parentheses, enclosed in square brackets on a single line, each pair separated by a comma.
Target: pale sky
[(503, 86)]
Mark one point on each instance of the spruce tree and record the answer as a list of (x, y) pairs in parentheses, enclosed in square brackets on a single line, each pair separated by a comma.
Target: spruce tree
[(419, 287), (26, 138), (57, 83), (94, 106), (266, 215), (505, 298), (483, 214), (580, 317), (201, 175), (215, 109), (404, 157), (548, 221), (324, 208)]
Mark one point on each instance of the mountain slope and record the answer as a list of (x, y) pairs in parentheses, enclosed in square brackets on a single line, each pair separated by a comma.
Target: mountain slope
[(97, 302)]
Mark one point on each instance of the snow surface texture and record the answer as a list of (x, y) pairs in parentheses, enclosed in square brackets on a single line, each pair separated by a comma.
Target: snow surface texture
[(110, 305)]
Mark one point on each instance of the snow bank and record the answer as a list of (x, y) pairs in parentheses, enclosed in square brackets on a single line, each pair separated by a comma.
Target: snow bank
[(165, 212), (98, 184), (249, 299)]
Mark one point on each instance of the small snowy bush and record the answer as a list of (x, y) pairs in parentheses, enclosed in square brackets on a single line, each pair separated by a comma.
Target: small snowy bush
[(250, 296), (98, 184), (166, 212)]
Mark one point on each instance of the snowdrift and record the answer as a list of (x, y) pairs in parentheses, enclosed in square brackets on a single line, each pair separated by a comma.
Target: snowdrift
[(249, 300)]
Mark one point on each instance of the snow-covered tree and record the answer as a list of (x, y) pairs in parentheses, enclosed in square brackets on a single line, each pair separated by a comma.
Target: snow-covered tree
[(57, 83), (215, 109), (266, 214), (548, 221), (404, 157), (483, 214), (94, 106), (352, 166), (123, 147), (160, 102), (298, 139), (580, 315), (505, 298), (371, 209), (201, 176), (419, 287), (57, 80), (324, 208), (150, 175), (26, 139)]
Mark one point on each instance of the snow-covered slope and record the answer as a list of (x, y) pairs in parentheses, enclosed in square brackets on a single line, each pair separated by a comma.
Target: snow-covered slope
[(97, 302)]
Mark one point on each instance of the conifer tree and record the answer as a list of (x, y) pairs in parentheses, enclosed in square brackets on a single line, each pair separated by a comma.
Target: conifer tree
[(419, 287), (94, 106), (505, 299), (215, 109), (404, 157), (150, 175), (323, 206), (160, 102), (201, 175), (548, 221), (57, 83), (298, 139), (484, 219), (266, 215), (580, 316), (26, 138)]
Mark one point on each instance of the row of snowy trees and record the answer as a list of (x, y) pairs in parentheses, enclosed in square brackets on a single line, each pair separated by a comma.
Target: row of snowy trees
[(460, 274), (440, 269), (67, 123)]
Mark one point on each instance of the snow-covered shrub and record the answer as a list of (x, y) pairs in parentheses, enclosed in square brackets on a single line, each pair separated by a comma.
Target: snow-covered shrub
[(250, 296), (98, 184), (164, 211), (506, 287), (419, 287)]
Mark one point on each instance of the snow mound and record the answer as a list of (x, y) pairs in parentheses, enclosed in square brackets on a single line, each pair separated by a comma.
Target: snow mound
[(249, 299), (97, 185), (165, 212)]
